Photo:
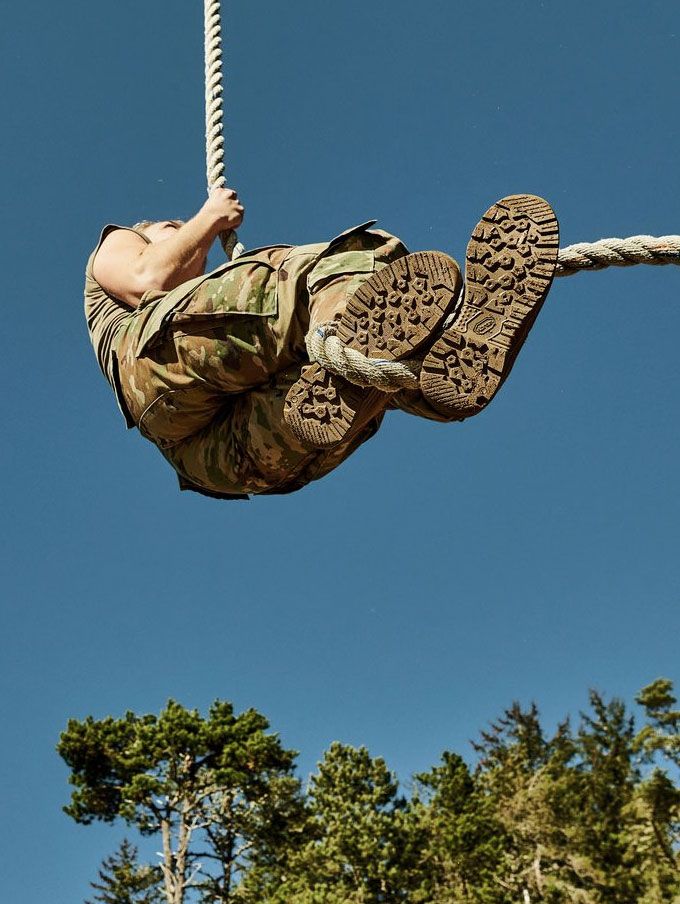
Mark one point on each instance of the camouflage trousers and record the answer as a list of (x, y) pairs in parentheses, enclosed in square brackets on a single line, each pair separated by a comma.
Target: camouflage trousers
[(204, 375)]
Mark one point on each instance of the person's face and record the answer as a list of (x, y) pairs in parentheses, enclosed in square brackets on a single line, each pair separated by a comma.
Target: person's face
[(163, 229)]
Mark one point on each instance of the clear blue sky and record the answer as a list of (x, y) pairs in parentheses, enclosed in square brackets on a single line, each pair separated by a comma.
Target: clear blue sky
[(444, 570)]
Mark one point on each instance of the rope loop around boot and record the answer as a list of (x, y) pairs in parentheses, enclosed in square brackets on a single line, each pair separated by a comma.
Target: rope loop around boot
[(325, 348)]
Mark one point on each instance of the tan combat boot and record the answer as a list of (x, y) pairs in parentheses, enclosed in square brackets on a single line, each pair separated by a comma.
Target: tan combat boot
[(509, 268), (390, 316)]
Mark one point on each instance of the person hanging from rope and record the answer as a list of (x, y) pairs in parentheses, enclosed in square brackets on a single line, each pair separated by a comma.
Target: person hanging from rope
[(213, 367)]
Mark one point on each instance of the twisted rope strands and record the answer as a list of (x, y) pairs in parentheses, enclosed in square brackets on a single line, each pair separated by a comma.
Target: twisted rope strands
[(324, 347), (214, 112), (638, 249), (214, 109)]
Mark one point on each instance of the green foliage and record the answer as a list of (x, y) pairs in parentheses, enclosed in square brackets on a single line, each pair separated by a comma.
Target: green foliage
[(216, 790), (360, 845), (662, 733), (462, 838), (138, 766), (123, 881), (608, 778), (589, 815)]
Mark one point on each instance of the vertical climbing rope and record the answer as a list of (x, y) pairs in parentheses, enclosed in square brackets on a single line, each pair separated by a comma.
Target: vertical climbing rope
[(214, 113)]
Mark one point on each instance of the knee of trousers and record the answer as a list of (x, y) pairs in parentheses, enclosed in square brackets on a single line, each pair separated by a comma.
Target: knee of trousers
[(249, 448), (338, 274), (177, 414)]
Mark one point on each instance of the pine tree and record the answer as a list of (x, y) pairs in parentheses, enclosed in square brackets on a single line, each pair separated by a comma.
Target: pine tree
[(654, 818), (584, 816), (529, 786), (123, 881), (462, 839), (608, 775), (661, 734), (208, 787), (360, 846)]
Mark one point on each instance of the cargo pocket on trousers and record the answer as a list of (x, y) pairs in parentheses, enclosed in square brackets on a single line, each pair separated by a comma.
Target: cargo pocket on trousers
[(339, 275), (243, 287), (178, 414)]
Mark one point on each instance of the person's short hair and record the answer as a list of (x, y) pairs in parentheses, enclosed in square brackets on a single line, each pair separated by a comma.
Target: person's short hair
[(144, 224)]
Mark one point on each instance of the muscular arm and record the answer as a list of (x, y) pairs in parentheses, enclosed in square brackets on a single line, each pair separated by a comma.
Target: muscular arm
[(127, 267)]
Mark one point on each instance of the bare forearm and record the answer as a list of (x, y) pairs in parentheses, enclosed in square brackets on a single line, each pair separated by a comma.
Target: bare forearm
[(165, 265), (127, 268)]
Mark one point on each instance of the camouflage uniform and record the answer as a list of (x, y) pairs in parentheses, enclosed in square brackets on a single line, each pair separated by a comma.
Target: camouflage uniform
[(203, 370)]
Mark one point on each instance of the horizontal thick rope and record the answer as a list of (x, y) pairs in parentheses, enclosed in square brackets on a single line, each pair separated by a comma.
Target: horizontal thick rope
[(639, 249), (324, 347)]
